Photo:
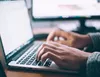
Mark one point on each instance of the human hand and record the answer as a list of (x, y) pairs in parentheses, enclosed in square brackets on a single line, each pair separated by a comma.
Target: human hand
[(70, 38), (64, 56)]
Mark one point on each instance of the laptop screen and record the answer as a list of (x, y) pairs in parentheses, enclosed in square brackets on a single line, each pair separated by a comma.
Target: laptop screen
[(15, 27)]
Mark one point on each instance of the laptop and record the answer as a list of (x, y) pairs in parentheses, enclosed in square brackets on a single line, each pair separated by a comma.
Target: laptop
[(17, 39)]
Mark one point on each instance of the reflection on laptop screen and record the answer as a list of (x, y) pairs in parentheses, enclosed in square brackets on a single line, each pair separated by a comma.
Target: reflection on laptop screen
[(15, 27), (65, 8)]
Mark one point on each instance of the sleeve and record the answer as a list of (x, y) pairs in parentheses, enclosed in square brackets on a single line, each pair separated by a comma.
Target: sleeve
[(93, 62), (93, 65), (95, 37)]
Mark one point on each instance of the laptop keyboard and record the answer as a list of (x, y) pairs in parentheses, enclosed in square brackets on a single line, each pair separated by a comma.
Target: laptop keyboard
[(30, 58)]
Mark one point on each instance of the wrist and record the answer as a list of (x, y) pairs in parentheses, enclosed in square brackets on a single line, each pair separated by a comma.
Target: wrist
[(85, 56), (87, 40), (84, 59)]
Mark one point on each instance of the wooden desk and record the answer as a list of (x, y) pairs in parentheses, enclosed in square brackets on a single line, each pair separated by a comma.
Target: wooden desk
[(32, 74)]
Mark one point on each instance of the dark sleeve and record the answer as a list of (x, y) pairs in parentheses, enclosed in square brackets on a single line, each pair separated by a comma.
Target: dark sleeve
[(95, 37), (93, 65), (93, 62)]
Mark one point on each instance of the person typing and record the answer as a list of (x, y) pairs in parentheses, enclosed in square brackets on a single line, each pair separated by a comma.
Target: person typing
[(67, 54)]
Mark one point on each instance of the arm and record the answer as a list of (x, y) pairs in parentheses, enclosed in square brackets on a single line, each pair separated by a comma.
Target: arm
[(93, 61), (93, 65)]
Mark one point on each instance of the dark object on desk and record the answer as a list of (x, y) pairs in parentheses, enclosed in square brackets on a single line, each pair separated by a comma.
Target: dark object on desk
[(2, 73), (40, 36), (90, 30), (86, 30)]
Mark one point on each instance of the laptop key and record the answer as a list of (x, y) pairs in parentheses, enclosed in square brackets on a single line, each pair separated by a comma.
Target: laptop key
[(25, 60), (19, 61), (35, 62), (30, 61), (48, 63), (40, 63)]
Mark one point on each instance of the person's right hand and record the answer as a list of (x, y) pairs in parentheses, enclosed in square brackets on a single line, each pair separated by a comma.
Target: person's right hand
[(70, 38), (64, 56)]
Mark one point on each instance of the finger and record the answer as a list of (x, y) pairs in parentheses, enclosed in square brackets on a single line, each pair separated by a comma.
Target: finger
[(45, 45), (59, 44), (45, 50), (57, 33), (51, 56), (67, 43), (53, 34), (50, 45), (39, 49), (64, 43), (55, 43)]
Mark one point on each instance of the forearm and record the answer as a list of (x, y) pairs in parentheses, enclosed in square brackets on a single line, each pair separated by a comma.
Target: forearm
[(93, 65)]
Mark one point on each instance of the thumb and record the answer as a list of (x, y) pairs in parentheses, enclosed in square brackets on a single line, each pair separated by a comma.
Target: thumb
[(57, 33)]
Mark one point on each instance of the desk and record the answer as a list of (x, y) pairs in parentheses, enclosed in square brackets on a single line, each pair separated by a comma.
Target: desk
[(26, 74)]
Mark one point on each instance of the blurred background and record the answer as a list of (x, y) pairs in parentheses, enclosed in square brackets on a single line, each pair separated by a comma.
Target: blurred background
[(81, 23)]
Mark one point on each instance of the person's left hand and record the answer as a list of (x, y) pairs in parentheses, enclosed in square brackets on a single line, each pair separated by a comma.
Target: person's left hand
[(71, 39), (64, 56)]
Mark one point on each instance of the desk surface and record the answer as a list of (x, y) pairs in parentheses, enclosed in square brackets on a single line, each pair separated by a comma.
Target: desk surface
[(33, 74)]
